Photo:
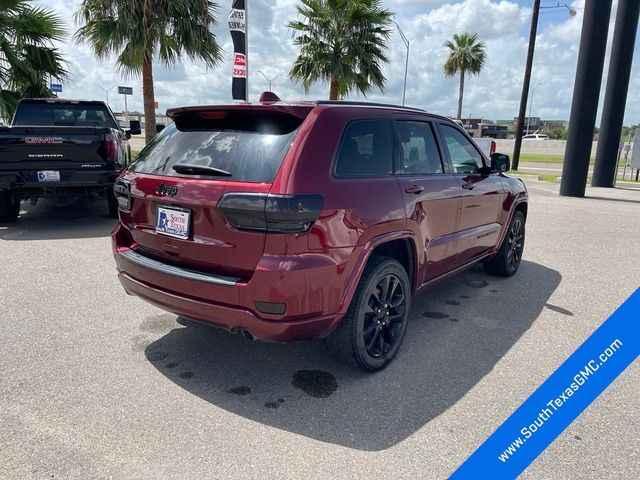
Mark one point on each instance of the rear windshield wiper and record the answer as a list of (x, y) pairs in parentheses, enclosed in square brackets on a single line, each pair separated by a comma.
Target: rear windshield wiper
[(191, 169)]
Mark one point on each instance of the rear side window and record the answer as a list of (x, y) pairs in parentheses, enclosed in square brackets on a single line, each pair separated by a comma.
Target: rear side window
[(63, 114), (249, 145), (366, 149)]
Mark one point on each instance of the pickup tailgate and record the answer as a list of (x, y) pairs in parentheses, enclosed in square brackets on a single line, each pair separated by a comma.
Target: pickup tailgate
[(38, 148)]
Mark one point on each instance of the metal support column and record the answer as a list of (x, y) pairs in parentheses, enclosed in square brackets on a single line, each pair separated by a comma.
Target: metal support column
[(586, 92), (605, 171)]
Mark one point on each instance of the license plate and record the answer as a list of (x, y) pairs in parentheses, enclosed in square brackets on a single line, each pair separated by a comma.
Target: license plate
[(173, 222), (49, 176)]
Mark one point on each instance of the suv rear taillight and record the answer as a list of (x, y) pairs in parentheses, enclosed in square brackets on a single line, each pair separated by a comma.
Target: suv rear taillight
[(122, 191), (271, 213), (110, 148)]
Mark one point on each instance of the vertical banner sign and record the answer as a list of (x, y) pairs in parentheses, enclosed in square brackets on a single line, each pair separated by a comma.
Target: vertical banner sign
[(238, 27)]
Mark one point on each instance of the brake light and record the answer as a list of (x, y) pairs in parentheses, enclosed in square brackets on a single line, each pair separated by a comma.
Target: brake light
[(122, 191), (493, 147), (271, 213), (110, 148), (213, 114)]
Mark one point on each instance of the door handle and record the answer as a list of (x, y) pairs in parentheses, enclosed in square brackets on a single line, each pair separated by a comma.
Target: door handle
[(469, 186), (414, 189)]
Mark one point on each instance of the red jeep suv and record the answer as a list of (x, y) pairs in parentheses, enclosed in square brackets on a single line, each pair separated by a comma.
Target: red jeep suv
[(289, 221)]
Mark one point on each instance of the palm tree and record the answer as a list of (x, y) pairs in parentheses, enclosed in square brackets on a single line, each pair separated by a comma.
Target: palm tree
[(466, 56), (28, 60), (137, 31), (341, 42)]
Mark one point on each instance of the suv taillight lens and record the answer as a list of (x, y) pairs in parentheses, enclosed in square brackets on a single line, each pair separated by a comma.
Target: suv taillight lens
[(271, 213), (122, 191), (110, 148)]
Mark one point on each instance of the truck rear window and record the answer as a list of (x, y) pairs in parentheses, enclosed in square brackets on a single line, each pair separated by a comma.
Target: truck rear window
[(63, 114), (249, 145)]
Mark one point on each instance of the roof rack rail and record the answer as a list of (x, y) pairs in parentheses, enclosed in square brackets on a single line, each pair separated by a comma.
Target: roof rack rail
[(366, 104)]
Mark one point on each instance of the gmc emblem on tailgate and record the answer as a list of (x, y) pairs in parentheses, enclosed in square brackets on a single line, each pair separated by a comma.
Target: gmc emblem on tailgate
[(166, 190), (47, 140)]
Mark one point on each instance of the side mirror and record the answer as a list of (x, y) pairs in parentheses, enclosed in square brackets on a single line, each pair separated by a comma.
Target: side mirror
[(134, 127), (500, 162), (127, 134)]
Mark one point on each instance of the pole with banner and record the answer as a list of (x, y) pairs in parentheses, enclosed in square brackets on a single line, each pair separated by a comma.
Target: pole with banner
[(238, 28)]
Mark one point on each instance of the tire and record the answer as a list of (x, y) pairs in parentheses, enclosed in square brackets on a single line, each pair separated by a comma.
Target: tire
[(112, 203), (9, 207), (507, 260), (372, 331)]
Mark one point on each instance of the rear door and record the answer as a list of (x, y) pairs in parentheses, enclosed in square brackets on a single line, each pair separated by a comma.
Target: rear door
[(483, 194), (432, 195), (174, 216)]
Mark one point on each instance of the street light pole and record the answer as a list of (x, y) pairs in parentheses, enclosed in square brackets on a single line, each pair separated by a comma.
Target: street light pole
[(527, 76), (269, 80), (105, 90), (533, 91), (525, 84), (405, 40)]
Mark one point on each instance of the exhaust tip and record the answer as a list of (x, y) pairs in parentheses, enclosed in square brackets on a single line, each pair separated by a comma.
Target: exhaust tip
[(246, 334)]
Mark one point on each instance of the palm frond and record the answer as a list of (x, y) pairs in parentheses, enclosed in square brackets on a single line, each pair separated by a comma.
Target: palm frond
[(28, 58), (342, 40), (466, 54)]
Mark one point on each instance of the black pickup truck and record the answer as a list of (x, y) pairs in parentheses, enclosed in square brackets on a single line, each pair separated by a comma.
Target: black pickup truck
[(62, 150)]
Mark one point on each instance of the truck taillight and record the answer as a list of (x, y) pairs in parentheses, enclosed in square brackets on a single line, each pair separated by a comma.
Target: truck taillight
[(493, 147), (271, 213), (110, 148)]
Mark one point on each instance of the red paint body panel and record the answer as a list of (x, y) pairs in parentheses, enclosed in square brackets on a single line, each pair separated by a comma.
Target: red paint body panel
[(313, 273)]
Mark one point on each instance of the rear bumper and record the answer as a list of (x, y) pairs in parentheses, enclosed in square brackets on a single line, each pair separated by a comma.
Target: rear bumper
[(288, 297), (232, 319), (28, 179)]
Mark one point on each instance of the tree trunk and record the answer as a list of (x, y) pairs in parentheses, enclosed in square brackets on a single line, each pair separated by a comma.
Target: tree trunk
[(148, 96), (460, 95), (334, 91)]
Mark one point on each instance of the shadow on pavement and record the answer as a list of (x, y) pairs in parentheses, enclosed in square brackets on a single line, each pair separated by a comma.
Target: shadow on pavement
[(459, 330), (46, 221)]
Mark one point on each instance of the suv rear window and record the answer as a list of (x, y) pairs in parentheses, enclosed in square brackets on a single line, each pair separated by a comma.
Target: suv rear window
[(63, 114), (249, 145)]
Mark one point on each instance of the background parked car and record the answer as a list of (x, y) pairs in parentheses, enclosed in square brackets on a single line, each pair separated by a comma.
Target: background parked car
[(536, 136)]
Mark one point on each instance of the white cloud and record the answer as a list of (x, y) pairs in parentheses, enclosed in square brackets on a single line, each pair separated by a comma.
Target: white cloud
[(503, 25)]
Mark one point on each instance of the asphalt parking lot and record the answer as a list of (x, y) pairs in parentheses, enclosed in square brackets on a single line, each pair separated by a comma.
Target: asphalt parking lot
[(96, 384)]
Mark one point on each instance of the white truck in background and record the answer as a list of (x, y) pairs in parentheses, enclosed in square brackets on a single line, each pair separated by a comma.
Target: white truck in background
[(487, 145)]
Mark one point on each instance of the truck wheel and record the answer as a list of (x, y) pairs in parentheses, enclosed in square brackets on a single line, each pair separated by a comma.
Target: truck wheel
[(507, 260), (371, 332), (9, 207), (112, 203)]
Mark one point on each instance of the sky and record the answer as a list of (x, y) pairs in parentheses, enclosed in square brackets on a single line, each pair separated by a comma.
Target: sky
[(495, 94)]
